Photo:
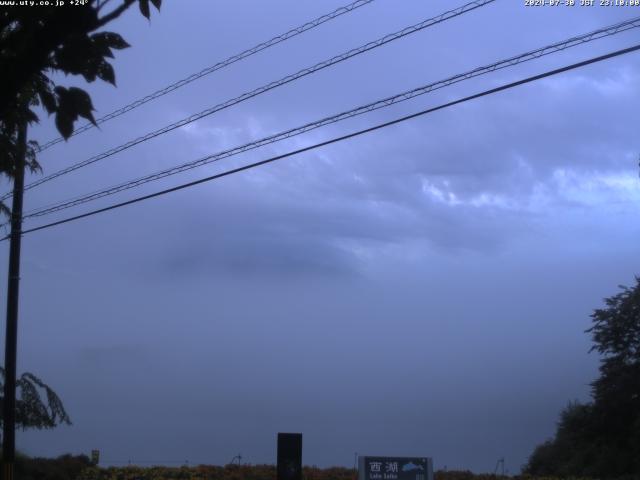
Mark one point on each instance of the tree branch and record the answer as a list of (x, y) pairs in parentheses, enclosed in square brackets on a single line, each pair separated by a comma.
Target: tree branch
[(115, 13), (102, 4)]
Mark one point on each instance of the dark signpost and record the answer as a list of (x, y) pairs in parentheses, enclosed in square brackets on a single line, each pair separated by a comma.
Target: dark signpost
[(289, 456), (395, 468)]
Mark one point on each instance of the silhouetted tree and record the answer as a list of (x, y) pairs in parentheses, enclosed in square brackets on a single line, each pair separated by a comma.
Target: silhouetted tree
[(32, 411), (37, 42), (602, 438), (616, 393)]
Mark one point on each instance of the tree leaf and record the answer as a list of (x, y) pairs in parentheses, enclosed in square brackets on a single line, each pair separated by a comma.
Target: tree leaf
[(110, 39), (144, 8), (30, 116), (63, 100), (157, 3), (48, 100), (30, 157), (72, 56), (82, 103), (67, 112), (106, 73), (64, 124), (86, 57)]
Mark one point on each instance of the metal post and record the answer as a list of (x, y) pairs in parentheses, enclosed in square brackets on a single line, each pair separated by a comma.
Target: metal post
[(11, 338)]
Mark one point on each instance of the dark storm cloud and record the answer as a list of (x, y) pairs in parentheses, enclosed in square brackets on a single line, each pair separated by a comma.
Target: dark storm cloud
[(255, 255), (324, 235)]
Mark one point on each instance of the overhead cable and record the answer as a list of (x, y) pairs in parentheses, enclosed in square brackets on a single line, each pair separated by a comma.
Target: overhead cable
[(217, 66), (265, 88), (401, 97), (339, 139)]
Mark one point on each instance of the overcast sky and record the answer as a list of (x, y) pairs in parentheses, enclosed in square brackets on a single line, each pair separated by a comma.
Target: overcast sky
[(420, 290)]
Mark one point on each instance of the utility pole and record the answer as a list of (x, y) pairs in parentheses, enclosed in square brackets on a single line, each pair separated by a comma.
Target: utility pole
[(11, 338)]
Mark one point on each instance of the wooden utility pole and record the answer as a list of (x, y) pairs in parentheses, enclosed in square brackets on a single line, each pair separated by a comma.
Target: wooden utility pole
[(11, 338)]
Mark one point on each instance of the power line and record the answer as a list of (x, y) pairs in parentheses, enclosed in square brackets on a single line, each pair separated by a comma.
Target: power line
[(270, 86), (509, 62), (218, 66), (341, 138), (287, 79)]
